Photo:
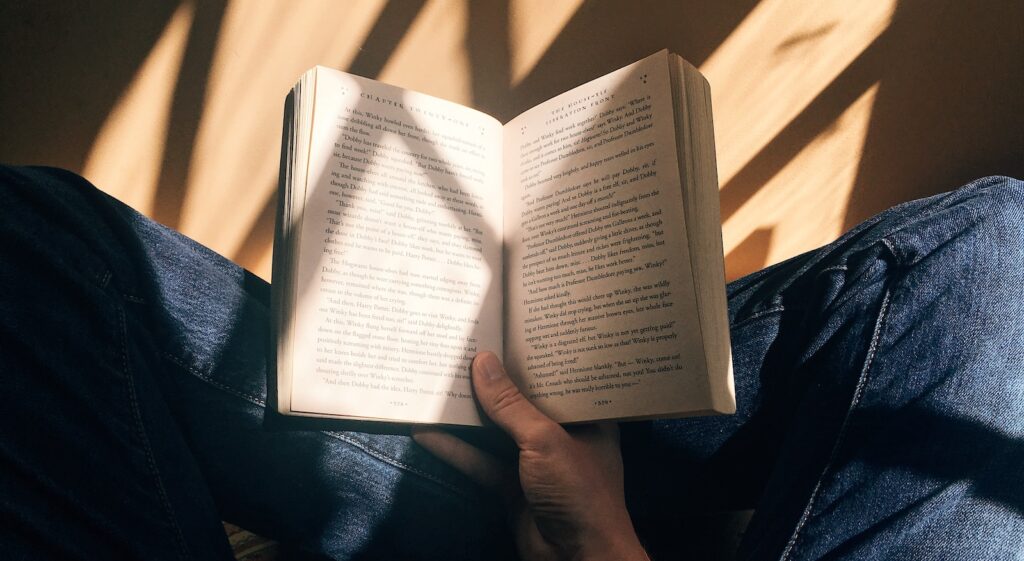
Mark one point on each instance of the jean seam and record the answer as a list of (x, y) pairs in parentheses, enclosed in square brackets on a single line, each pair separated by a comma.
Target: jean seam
[(369, 450), (209, 379), (896, 252), (834, 268), (103, 279), (757, 315), (858, 393), (140, 429)]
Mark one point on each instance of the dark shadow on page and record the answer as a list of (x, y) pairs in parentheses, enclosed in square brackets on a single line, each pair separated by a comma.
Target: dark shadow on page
[(488, 438), (443, 178)]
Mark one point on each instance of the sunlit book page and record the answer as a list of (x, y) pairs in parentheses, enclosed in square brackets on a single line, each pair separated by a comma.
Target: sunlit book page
[(598, 257), (399, 275)]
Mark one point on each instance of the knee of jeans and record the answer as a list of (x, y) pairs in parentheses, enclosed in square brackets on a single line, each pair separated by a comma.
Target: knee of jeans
[(979, 226), (1007, 204), (1003, 198), (1000, 243), (972, 279), (48, 195)]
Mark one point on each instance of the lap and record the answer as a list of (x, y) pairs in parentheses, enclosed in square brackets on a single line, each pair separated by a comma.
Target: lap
[(878, 379)]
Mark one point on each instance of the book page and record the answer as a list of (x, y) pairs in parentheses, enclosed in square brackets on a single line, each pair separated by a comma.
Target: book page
[(399, 280), (602, 319)]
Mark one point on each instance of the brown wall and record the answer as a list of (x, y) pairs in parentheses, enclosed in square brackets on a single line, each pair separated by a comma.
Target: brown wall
[(826, 112)]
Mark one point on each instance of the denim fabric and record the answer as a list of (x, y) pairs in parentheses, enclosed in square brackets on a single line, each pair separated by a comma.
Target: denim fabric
[(880, 383)]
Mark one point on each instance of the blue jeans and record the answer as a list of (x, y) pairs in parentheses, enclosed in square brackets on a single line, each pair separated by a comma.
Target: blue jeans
[(880, 382)]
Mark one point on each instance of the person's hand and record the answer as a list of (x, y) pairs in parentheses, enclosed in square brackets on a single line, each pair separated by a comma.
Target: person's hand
[(569, 501)]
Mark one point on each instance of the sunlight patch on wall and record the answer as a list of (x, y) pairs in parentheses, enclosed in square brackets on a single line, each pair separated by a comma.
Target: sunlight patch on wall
[(262, 49), (534, 26), (806, 201), (431, 57), (774, 64), (127, 153)]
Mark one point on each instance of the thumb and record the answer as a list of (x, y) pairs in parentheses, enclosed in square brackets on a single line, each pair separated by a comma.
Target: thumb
[(502, 401)]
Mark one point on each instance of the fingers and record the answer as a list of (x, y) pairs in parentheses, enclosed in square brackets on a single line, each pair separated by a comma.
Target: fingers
[(479, 466), (502, 401)]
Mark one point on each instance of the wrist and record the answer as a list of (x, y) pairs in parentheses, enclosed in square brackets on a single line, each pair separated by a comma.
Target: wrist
[(619, 542), (622, 548)]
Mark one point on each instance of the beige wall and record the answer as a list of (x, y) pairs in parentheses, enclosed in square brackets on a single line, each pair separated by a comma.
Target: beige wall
[(826, 112)]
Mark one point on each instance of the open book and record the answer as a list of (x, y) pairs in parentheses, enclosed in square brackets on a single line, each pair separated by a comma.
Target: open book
[(580, 242)]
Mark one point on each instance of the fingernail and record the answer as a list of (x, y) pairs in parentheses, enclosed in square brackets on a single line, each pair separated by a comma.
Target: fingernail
[(491, 366)]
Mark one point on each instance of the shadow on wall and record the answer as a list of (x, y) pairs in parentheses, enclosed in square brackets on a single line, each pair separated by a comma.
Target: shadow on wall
[(948, 110), (71, 67), (948, 106)]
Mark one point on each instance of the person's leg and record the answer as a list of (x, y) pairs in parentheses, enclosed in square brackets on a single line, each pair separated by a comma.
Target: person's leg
[(880, 383), (84, 469), (155, 382), (927, 460), (134, 365)]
